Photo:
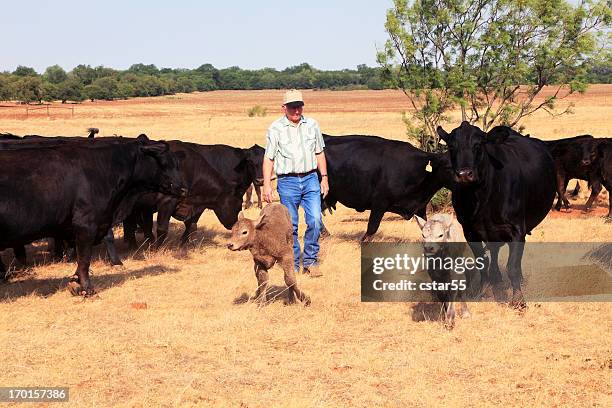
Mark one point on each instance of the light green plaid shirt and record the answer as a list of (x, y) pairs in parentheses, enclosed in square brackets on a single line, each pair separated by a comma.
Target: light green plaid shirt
[(292, 147)]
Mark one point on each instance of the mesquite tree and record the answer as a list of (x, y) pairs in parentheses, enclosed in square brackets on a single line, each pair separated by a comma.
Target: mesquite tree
[(489, 58)]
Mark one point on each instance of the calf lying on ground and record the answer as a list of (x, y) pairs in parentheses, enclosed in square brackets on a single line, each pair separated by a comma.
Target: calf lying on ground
[(442, 238), (270, 240)]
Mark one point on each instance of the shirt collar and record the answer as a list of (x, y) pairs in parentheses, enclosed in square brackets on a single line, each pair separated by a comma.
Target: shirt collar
[(287, 122)]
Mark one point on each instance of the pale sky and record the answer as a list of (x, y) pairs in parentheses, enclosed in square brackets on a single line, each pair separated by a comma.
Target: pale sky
[(255, 34)]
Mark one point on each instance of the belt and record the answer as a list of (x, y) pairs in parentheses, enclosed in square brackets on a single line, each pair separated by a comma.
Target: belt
[(296, 174)]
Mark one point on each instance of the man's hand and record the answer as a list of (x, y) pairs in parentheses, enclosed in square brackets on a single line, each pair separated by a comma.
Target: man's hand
[(267, 193), (324, 187)]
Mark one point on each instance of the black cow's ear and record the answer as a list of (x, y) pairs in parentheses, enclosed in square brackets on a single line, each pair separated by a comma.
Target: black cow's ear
[(443, 134), (155, 148), (142, 137), (498, 134)]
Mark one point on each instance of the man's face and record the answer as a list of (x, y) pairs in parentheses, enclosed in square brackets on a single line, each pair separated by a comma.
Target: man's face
[(293, 111)]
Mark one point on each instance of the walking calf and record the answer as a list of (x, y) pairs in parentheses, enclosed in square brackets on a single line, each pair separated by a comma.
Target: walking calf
[(270, 240)]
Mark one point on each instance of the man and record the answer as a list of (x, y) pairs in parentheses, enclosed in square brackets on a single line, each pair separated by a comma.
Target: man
[(294, 149)]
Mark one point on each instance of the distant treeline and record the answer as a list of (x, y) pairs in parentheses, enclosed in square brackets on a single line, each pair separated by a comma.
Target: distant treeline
[(86, 82)]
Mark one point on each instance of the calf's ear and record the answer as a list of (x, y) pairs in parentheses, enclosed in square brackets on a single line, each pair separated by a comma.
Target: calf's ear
[(260, 222), (240, 216), (420, 221), (443, 134)]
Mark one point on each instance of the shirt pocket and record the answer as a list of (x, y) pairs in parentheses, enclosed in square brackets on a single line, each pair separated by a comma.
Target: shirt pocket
[(285, 147), (310, 141)]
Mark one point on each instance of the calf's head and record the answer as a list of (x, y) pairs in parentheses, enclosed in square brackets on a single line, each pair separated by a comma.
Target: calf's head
[(437, 231), (243, 232), (467, 147)]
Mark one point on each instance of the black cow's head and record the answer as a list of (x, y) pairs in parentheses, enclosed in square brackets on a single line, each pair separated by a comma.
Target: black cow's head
[(255, 155), (588, 153), (467, 147), (170, 180)]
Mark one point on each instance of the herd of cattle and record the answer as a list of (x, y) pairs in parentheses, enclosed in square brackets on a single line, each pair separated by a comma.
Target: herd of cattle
[(74, 189)]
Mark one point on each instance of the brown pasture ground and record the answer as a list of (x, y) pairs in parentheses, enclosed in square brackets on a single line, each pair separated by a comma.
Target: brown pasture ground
[(175, 330)]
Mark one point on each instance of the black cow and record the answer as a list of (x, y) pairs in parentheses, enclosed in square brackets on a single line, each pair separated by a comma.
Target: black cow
[(78, 191), (34, 141), (217, 176), (575, 157), (381, 175), (505, 186), (604, 175)]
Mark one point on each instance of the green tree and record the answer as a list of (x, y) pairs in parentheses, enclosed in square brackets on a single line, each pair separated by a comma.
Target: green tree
[(24, 71), (93, 92), (6, 88), (55, 74), (29, 89), (85, 74), (490, 58), (70, 90)]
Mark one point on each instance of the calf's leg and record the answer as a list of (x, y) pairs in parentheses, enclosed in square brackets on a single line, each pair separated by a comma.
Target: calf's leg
[(261, 273)]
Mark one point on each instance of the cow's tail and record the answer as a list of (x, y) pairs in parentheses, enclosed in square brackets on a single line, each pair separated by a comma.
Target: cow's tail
[(92, 131)]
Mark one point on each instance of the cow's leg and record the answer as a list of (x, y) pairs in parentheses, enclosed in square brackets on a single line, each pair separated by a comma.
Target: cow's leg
[(515, 273), (258, 192), (249, 195), (129, 231), (58, 248), (479, 252), (163, 222), (449, 315), (146, 222), (291, 281), (3, 271), (111, 250), (576, 189), (608, 185), (566, 202), (20, 254), (495, 276), (465, 312), (376, 216), (595, 190), (84, 242), (191, 226), (261, 273), (560, 193)]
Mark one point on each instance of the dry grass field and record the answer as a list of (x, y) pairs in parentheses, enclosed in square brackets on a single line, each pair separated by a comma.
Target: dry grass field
[(174, 330)]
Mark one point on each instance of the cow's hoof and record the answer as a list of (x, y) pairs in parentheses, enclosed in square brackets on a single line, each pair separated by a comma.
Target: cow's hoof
[(74, 288), (486, 293), (306, 301), (518, 303), (499, 293), (449, 325)]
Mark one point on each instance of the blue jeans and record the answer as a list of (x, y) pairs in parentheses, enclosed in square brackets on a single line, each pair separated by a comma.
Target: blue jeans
[(305, 191)]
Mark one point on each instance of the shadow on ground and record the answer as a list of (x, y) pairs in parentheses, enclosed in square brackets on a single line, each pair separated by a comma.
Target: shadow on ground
[(48, 286)]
